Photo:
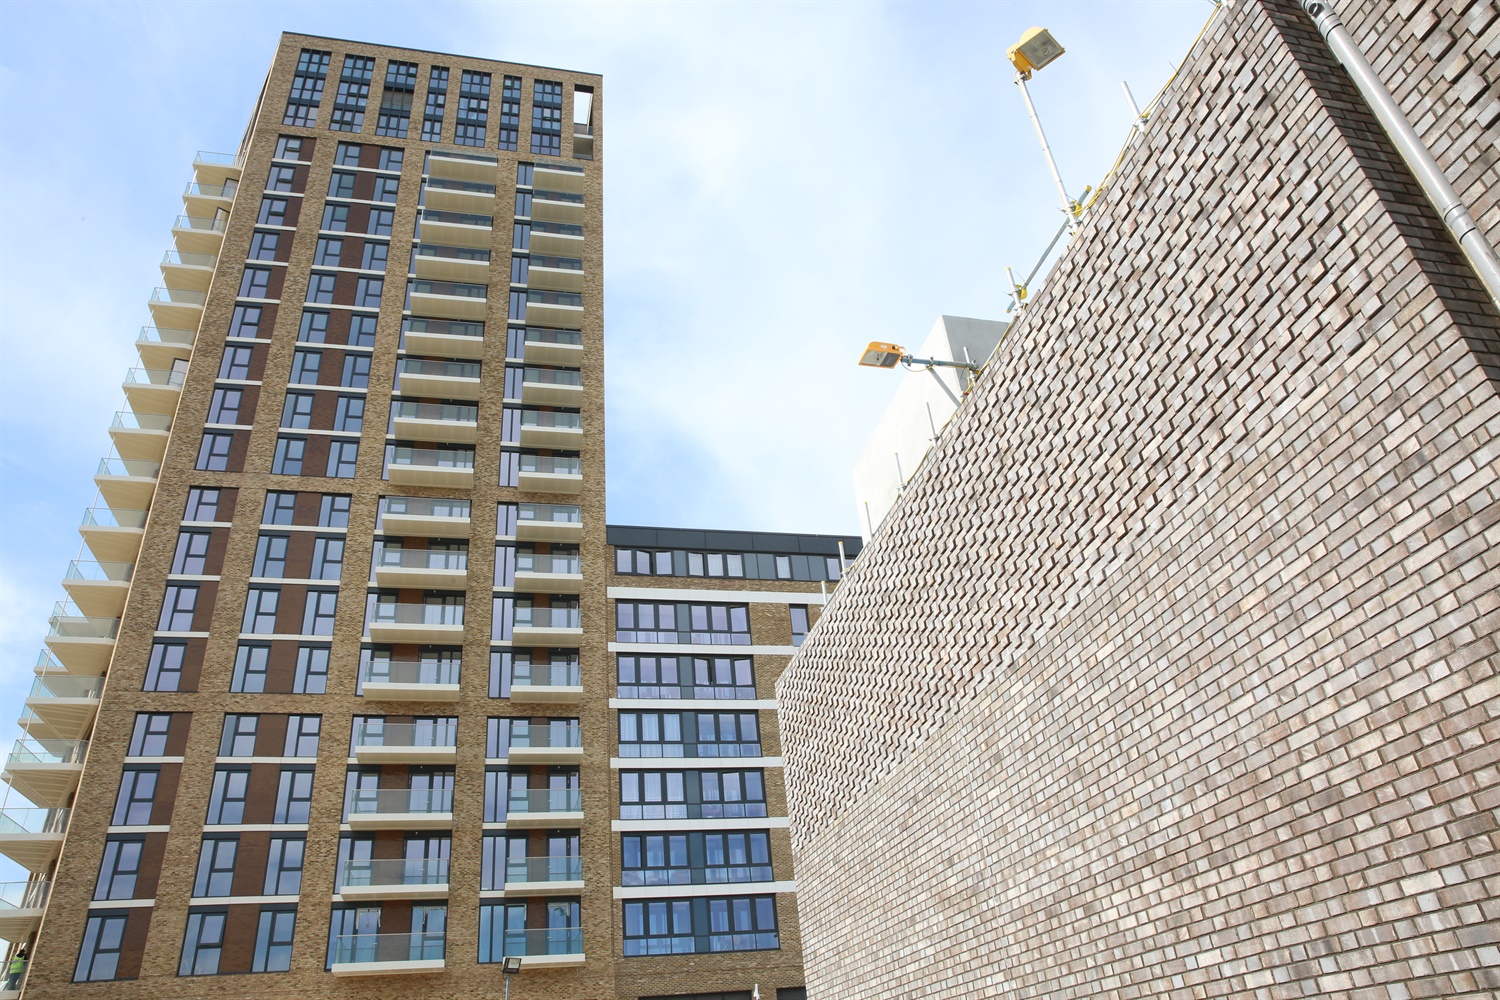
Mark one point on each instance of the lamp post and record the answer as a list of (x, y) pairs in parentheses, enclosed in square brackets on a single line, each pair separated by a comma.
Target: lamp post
[(882, 355), (510, 967), (1036, 49)]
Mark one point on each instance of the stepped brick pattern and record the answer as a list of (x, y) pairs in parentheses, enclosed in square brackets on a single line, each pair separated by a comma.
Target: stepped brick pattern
[(1175, 672)]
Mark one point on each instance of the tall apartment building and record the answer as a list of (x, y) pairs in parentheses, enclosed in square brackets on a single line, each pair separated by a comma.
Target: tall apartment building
[(338, 693)]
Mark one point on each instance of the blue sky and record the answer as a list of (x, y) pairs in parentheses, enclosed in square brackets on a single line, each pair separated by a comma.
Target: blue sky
[(785, 181)]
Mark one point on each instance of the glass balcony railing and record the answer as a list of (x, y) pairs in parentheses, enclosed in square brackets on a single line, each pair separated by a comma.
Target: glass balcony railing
[(429, 670), (552, 376), (461, 289), (181, 258), (66, 625), (567, 196), (566, 168), (354, 874), (108, 517), (23, 895), (434, 733), (219, 159), (201, 225), (425, 507), (541, 296), (527, 617), (554, 734), (450, 154), (132, 421), (225, 190), (418, 614), (457, 218), (556, 228), (553, 513), (456, 559), (555, 465), (167, 336), (100, 572), (29, 751), (376, 949), (178, 296), (33, 821), (557, 263), (453, 253), (544, 941), (543, 869), (446, 369), (546, 674), (128, 468), (547, 335), (432, 458), (536, 562), (544, 800), (163, 377), (63, 686), (446, 184), (410, 410), (710, 874), (551, 418), (372, 802)]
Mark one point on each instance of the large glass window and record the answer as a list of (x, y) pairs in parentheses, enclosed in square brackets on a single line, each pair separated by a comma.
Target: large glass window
[(273, 940), (99, 957), (216, 867), (137, 796), (203, 944), (226, 801), (119, 868), (698, 926)]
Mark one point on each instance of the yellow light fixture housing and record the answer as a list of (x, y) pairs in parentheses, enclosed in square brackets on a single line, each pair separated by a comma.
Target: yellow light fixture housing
[(882, 355), (1036, 49)]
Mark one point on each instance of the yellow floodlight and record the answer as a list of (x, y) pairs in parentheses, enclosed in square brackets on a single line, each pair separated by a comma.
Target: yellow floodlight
[(1036, 49), (882, 355)]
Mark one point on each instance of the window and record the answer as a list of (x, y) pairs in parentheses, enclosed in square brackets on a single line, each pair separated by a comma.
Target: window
[(288, 147), (314, 327), (375, 257), (437, 100), (335, 219), (177, 608), (689, 734), (318, 613), (250, 666), (341, 184), (353, 93), (262, 244), (191, 556), (202, 504), (224, 406), (328, 558), (334, 511), (387, 188), (510, 111), (380, 222), (688, 926), (245, 321), (119, 868), (703, 677), (213, 453), (356, 371), (312, 670), (226, 800), (749, 565), (343, 456), (692, 794), (320, 287), (395, 103), (260, 610), (296, 412), (236, 363), (284, 866), (287, 461), (367, 292), (546, 118), (164, 669), (329, 252), (281, 178), (99, 957), (136, 797), (665, 859), (302, 733), (799, 623), (716, 624), (203, 944), (521, 236), (347, 154), (238, 739), (350, 415), (149, 737), (473, 108), (294, 795), (391, 158), (361, 331), (216, 867), (280, 508), (272, 212), (273, 941), (255, 283), (307, 89)]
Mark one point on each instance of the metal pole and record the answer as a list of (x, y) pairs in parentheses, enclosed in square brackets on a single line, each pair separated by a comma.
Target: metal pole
[(1429, 175), (1135, 111), (1067, 202)]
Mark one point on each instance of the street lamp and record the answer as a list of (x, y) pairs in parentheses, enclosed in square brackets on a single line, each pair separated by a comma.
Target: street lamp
[(882, 355), (509, 967), (1037, 49)]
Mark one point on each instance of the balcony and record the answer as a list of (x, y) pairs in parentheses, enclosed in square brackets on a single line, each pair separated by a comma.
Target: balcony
[(32, 838), (448, 299), (558, 177), (543, 876), (21, 906), (443, 338), (140, 437), (99, 588), (188, 270), (83, 645), (551, 387), (546, 683), (448, 194), (430, 679), (388, 954), (554, 308), (126, 485), (457, 229), (551, 474), (549, 522), (177, 307), (547, 626), (154, 390), (159, 348), (437, 422), (553, 347), (552, 743), (410, 466), (424, 517), (548, 574), (63, 707), (45, 771), (450, 165), (396, 566), (451, 263), (400, 809), (551, 429), (204, 198), (527, 809), (379, 742), (439, 623), (113, 535), (557, 206), (562, 274), (557, 239), (200, 234), (217, 168), (399, 878), (443, 379), (545, 948)]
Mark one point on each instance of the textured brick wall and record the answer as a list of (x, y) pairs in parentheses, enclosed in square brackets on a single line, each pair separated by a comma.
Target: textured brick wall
[(1176, 673)]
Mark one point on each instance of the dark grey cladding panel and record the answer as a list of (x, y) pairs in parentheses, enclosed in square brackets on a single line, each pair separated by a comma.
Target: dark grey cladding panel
[(632, 536)]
